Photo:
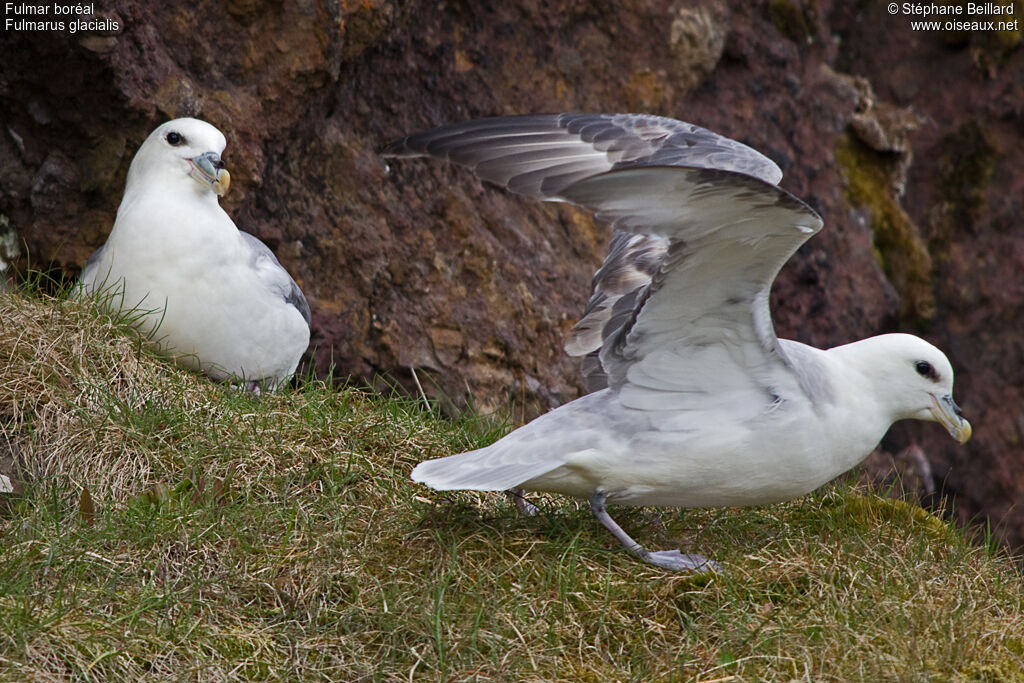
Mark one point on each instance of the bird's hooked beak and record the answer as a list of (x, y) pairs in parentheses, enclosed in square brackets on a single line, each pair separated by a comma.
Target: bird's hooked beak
[(947, 412), (209, 169)]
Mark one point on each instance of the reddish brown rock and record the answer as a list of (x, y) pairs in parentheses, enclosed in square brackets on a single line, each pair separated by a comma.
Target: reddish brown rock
[(420, 267)]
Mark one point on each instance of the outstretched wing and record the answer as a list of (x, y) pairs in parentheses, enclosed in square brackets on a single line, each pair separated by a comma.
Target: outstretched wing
[(541, 155), (701, 330)]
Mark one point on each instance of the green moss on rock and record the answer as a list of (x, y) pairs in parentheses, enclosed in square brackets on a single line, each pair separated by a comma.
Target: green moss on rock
[(899, 248)]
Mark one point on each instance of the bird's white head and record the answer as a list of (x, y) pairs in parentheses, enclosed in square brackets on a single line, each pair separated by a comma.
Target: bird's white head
[(912, 378), (183, 152)]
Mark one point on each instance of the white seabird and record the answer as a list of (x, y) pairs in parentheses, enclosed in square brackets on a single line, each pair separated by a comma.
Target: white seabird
[(703, 405), (213, 297)]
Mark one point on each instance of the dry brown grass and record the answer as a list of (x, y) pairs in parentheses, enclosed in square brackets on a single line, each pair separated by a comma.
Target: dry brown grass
[(235, 537), (62, 365)]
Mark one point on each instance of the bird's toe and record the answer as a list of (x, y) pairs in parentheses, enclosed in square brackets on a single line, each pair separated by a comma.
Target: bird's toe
[(682, 562)]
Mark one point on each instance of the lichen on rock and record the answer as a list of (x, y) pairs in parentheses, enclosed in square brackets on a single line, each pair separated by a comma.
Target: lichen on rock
[(900, 249)]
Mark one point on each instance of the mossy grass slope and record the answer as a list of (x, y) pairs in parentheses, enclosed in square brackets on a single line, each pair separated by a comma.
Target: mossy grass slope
[(174, 529)]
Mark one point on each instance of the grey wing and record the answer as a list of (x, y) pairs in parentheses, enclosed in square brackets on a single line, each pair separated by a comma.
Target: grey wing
[(541, 154), (608, 322), (701, 330), (632, 261), (271, 269)]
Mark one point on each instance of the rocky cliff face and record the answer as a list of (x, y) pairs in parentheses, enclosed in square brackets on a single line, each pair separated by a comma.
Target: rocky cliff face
[(906, 141)]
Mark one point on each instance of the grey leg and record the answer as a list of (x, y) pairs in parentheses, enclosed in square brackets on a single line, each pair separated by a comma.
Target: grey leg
[(524, 506), (667, 559)]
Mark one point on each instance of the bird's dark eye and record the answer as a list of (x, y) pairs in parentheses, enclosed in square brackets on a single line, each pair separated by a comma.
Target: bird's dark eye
[(174, 139), (925, 369)]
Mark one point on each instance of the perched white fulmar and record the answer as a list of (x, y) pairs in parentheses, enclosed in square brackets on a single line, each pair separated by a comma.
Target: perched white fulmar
[(214, 297), (703, 405)]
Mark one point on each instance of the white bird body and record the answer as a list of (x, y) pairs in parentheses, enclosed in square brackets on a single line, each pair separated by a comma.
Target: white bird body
[(704, 405), (213, 297), (685, 458)]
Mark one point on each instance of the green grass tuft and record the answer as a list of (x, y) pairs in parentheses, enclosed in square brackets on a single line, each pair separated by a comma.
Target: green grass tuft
[(226, 536)]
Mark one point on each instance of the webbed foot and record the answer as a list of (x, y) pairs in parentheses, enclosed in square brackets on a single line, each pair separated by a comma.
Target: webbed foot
[(680, 562)]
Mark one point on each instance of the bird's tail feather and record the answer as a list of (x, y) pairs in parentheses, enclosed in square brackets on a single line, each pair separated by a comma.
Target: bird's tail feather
[(479, 470)]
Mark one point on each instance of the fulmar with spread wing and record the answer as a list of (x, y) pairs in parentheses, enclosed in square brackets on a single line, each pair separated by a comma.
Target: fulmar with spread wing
[(697, 403)]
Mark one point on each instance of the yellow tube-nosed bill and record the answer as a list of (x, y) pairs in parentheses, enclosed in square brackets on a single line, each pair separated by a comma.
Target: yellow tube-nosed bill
[(945, 412), (222, 183)]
